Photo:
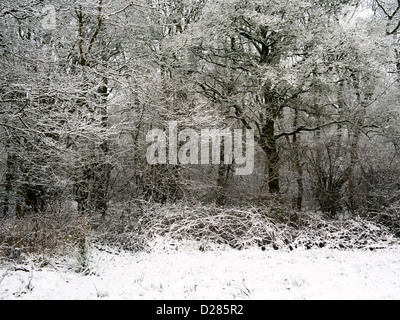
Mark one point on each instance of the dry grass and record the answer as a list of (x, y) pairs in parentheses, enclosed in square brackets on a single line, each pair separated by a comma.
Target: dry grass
[(57, 234)]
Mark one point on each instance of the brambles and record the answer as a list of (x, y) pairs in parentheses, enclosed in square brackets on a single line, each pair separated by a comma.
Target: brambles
[(246, 227)]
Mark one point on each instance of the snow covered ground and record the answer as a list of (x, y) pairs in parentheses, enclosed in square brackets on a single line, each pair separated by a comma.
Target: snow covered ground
[(184, 272)]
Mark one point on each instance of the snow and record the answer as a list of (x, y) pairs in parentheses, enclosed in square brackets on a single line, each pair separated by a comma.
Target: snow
[(182, 271)]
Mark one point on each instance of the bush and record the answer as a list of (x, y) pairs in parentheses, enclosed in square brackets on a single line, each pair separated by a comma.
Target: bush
[(44, 236), (134, 227), (245, 227)]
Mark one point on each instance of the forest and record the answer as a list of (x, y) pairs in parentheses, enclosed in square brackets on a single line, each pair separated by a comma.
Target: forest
[(83, 82)]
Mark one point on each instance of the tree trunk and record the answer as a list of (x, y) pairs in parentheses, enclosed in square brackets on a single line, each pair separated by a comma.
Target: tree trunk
[(269, 146), (297, 164), (8, 183), (352, 203), (299, 170), (102, 176), (222, 184)]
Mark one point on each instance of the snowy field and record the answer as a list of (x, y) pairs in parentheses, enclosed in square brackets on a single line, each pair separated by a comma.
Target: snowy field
[(184, 272)]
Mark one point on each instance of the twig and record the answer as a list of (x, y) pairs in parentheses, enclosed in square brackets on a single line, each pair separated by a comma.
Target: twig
[(128, 6), (20, 269), (4, 275), (28, 286)]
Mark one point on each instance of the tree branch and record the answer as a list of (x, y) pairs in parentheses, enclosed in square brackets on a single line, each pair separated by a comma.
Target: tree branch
[(128, 6), (382, 8), (99, 23), (395, 29), (79, 16), (390, 16), (303, 128)]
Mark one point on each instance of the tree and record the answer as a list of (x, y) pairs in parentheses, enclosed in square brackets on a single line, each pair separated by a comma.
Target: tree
[(77, 100), (56, 100), (264, 62), (29, 111)]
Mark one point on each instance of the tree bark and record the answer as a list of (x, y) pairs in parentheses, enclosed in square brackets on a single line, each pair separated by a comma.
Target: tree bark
[(9, 177), (269, 145), (298, 166), (223, 179)]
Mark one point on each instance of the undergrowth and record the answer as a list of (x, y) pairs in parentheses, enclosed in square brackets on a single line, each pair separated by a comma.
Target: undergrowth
[(53, 235)]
